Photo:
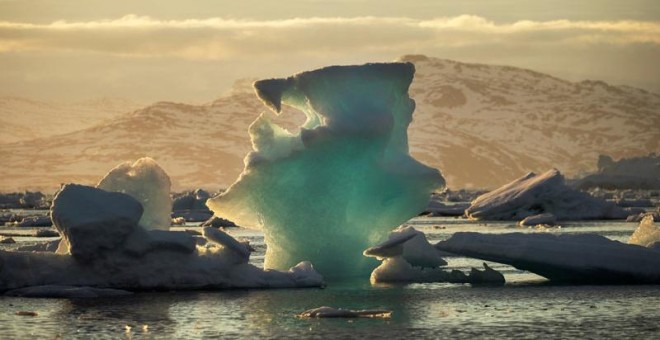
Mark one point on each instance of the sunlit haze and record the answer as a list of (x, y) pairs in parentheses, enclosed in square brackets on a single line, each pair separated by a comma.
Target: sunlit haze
[(192, 51)]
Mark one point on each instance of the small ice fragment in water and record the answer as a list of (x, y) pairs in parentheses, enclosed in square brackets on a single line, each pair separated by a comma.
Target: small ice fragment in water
[(330, 312), (26, 313), (543, 219)]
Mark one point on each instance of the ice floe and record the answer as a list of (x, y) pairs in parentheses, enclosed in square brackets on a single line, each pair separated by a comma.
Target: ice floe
[(572, 258), (538, 194), (103, 245)]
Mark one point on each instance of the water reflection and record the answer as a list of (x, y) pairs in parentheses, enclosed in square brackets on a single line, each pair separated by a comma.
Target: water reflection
[(141, 314)]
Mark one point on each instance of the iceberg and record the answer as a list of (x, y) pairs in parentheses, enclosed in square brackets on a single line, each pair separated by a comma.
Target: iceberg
[(570, 258), (148, 183), (626, 173), (647, 234), (103, 245), (541, 194), (340, 183)]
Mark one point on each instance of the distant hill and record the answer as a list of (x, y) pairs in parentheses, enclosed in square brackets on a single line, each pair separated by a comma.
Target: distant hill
[(485, 125), (482, 125), (24, 119)]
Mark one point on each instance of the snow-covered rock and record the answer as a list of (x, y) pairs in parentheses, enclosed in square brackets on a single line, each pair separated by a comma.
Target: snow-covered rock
[(546, 218), (148, 183), (574, 258), (537, 194), (647, 234)]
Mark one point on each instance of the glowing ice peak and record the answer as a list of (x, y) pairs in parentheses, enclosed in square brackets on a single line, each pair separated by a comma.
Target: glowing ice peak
[(344, 181)]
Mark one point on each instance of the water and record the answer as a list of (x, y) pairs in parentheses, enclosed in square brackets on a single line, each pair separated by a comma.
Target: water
[(527, 307)]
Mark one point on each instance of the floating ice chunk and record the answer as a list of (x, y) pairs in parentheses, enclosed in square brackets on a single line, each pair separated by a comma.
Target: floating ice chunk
[(330, 312), (441, 209), (35, 221), (655, 216), (7, 240), (408, 257), (581, 258), (46, 233), (93, 221), (218, 222), (647, 234), (103, 246), (418, 251), (241, 251), (486, 276), (410, 243), (48, 246), (546, 218), (537, 194), (191, 200), (55, 291), (304, 275), (398, 270), (390, 248), (328, 192), (141, 242), (627, 173), (148, 183)]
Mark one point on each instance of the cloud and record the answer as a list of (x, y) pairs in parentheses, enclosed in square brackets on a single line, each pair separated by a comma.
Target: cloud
[(222, 39)]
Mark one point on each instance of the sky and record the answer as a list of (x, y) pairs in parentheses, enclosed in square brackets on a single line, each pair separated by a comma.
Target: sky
[(193, 51)]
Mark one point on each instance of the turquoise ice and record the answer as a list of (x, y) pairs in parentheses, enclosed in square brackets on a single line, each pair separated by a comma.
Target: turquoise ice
[(341, 183)]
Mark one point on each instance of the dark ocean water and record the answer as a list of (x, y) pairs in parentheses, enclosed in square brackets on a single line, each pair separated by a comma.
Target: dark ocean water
[(527, 307)]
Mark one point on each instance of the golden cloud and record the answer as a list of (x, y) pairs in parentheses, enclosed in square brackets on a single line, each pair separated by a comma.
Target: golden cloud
[(219, 38)]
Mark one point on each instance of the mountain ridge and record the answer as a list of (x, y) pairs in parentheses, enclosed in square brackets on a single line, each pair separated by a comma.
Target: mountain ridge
[(482, 125)]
